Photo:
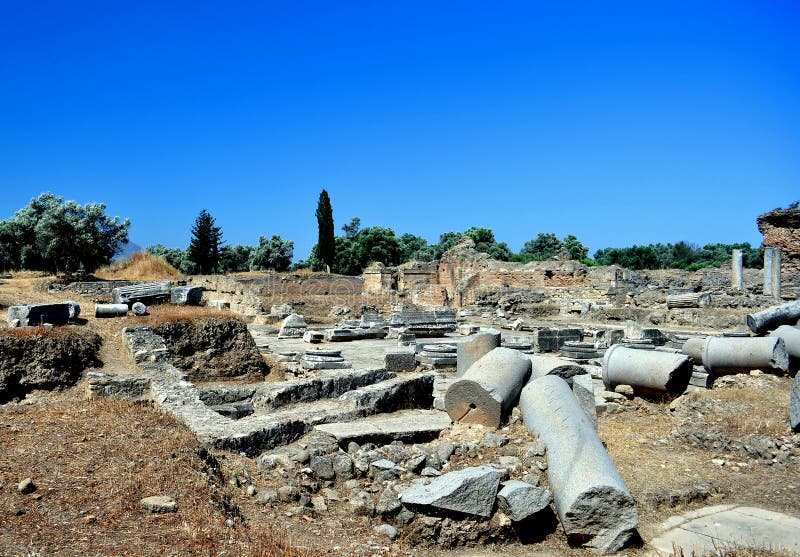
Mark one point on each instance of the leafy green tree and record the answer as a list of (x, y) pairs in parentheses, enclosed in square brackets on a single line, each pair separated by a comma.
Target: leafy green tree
[(235, 259), (274, 254), (352, 228), (576, 249), (205, 245), (326, 243), (348, 257), (376, 243), (413, 248), (486, 243), (545, 246), (51, 234), (173, 256), (447, 240)]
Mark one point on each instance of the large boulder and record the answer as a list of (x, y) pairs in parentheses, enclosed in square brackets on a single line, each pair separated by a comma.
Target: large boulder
[(469, 491)]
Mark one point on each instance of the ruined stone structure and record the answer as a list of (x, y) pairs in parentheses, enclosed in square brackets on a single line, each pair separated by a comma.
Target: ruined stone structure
[(781, 230)]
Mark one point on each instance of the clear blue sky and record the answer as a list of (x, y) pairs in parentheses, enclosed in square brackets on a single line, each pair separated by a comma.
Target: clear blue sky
[(619, 122)]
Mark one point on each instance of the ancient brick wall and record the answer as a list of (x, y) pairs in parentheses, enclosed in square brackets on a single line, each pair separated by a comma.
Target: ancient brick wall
[(781, 229)]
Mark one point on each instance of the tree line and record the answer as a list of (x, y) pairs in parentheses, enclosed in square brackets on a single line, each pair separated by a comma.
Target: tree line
[(54, 235)]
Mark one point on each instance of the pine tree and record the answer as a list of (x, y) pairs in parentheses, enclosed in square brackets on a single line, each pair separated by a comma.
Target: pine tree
[(204, 248), (326, 242)]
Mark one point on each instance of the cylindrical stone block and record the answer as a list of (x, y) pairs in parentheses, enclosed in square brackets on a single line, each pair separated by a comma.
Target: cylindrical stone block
[(488, 388), (791, 339), (734, 355), (646, 370), (689, 300), (472, 350), (594, 506), (542, 365), (693, 347), (773, 317), (110, 310), (138, 308)]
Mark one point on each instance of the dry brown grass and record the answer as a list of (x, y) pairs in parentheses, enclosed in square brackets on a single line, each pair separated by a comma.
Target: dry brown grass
[(736, 551), (164, 313), (92, 464), (139, 266), (751, 409), (39, 331)]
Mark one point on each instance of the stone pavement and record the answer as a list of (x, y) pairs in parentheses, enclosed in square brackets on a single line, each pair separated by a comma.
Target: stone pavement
[(725, 525)]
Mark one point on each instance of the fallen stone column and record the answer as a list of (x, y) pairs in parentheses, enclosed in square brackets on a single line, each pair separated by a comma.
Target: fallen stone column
[(186, 295), (773, 317), (594, 506), (791, 339), (693, 347), (488, 388), (646, 370), (57, 313), (472, 350), (738, 354), (542, 365), (110, 310), (690, 300)]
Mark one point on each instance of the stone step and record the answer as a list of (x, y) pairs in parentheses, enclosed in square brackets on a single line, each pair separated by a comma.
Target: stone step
[(405, 425)]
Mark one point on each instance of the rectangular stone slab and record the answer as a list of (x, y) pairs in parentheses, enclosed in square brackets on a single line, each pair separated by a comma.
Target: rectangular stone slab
[(405, 425)]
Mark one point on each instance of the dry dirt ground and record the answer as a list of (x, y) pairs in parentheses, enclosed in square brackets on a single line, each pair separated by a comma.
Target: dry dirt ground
[(93, 461)]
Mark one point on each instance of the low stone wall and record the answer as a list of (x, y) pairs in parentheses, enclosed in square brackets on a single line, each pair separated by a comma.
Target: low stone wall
[(242, 300)]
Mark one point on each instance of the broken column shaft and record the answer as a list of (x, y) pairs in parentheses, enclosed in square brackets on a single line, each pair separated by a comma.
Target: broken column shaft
[(646, 370), (791, 339), (110, 310), (771, 318), (472, 350), (737, 280), (594, 506), (693, 347), (732, 355), (542, 365), (488, 388)]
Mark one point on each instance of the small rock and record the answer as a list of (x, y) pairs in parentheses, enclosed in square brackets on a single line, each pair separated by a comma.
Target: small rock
[(323, 467), (519, 500), (388, 502), (624, 390), (386, 530), (532, 479), (718, 461), (343, 467), (18, 512), (430, 472), (445, 450), (494, 440), (288, 493), (251, 490), (535, 448), (331, 494), (351, 484), (352, 447), (302, 456), (318, 502), (267, 496), (26, 486), (361, 504), (159, 504)]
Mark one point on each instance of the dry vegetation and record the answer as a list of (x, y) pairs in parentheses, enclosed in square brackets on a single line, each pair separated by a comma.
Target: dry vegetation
[(139, 266), (93, 461)]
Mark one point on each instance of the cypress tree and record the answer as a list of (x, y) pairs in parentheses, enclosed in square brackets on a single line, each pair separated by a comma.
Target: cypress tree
[(205, 245), (326, 242)]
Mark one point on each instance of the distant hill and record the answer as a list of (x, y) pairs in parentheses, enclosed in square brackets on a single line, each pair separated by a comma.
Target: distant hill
[(126, 251)]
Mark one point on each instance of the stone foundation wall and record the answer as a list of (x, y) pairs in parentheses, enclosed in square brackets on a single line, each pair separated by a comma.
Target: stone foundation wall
[(243, 300)]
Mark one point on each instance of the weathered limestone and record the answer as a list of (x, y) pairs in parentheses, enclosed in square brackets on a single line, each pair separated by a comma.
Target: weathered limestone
[(579, 350), (773, 317), (693, 347), (689, 300), (646, 370), (186, 295), (147, 292), (551, 340), (405, 425), (324, 359), (438, 354), (733, 355), (400, 361), (791, 338), (426, 323), (488, 388), (110, 310), (772, 272), (794, 405), (469, 491), (583, 389), (138, 308), (519, 500), (313, 337), (294, 326), (594, 506), (472, 350), (37, 314), (737, 270), (542, 365)]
